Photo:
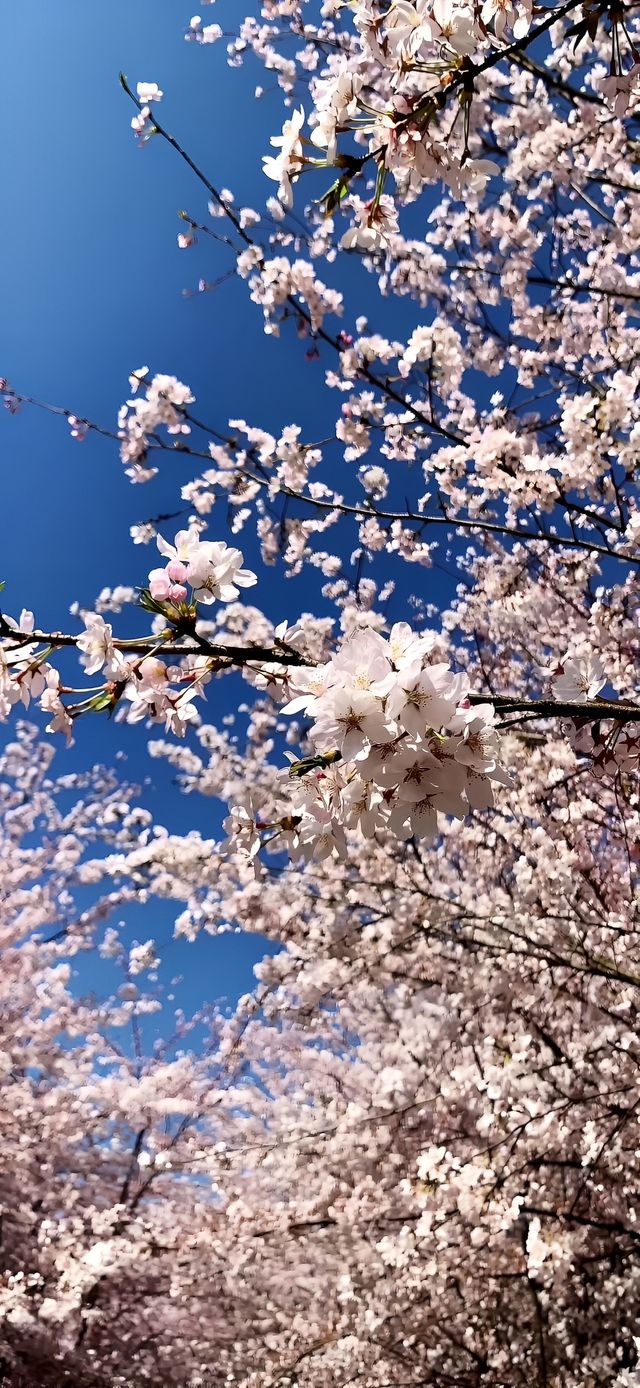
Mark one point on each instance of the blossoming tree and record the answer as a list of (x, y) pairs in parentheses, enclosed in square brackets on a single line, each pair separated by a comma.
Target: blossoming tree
[(410, 1157)]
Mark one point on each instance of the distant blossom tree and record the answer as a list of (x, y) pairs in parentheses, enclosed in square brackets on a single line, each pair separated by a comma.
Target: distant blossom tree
[(410, 1157)]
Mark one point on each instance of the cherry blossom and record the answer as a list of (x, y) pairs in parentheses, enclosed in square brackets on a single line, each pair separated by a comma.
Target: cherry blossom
[(283, 167), (214, 572), (578, 679), (148, 92), (373, 225), (407, 1154), (96, 645)]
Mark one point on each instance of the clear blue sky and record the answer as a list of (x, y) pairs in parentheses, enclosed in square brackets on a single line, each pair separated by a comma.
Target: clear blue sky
[(91, 286)]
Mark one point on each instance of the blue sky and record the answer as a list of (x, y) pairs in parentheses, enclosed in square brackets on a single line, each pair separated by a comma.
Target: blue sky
[(92, 287)]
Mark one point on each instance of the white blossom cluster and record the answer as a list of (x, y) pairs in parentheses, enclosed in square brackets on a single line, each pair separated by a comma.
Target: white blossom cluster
[(161, 406), (404, 90), (396, 740), (209, 567)]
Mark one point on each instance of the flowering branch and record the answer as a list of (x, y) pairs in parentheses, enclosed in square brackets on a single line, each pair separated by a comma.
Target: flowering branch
[(235, 655)]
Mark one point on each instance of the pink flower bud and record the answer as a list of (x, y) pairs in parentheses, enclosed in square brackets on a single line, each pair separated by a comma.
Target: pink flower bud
[(177, 571)]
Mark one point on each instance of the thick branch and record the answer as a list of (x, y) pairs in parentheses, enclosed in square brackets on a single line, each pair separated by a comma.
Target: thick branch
[(590, 709)]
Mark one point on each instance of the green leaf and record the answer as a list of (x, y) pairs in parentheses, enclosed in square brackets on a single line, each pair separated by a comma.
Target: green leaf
[(331, 200), (302, 768), (102, 701)]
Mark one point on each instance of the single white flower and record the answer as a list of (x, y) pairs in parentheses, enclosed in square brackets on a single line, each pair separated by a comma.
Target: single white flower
[(149, 91), (578, 679)]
